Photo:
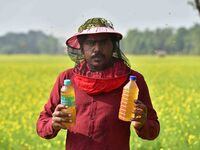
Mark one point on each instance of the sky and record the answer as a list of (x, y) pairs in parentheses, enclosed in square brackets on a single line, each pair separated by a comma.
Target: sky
[(62, 18)]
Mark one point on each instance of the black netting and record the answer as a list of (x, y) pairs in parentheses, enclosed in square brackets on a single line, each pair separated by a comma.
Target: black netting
[(77, 56)]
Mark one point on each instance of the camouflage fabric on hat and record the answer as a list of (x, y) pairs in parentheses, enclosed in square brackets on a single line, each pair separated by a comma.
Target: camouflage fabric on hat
[(92, 26), (95, 22)]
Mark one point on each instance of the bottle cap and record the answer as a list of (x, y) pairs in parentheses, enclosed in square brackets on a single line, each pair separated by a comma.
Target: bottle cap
[(132, 78), (67, 82)]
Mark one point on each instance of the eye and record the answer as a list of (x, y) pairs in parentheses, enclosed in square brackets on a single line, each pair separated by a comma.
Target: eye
[(90, 42), (103, 41)]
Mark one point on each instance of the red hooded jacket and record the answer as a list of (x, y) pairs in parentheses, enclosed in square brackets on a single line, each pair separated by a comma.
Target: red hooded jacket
[(97, 124)]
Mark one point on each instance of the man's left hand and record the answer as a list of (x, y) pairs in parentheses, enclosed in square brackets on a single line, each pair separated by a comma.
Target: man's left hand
[(139, 114)]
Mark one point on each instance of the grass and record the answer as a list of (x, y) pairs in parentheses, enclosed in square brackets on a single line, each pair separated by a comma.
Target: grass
[(26, 81)]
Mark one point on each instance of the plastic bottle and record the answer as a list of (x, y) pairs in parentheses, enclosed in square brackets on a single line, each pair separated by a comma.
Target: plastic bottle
[(67, 99), (129, 94)]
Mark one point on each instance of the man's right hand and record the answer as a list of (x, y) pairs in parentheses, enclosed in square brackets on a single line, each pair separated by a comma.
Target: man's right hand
[(60, 117)]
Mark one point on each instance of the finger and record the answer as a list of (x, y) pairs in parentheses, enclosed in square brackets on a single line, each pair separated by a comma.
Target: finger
[(138, 119), (69, 115), (60, 107), (57, 126), (139, 114), (137, 108), (57, 119), (141, 107), (61, 120), (60, 114), (67, 119), (138, 101)]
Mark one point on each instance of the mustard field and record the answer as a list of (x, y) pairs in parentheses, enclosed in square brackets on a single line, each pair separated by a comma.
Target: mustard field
[(173, 81)]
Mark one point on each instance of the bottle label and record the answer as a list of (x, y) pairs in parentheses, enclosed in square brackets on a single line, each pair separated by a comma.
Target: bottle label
[(67, 100)]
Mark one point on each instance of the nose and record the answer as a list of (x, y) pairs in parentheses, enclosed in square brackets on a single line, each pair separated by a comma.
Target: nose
[(97, 46)]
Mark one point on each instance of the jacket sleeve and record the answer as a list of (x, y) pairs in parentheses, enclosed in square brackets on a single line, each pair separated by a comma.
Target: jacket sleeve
[(151, 128), (44, 123)]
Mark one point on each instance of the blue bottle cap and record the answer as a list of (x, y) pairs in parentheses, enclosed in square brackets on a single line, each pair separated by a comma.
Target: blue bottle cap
[(132, 78), (67, 82)]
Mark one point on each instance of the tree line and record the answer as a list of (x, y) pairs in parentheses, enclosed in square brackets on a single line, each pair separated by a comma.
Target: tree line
[(172, 41), (179, 41), (33, 42)]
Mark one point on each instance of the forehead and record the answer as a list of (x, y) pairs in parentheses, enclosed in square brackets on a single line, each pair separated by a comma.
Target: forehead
[(98, 36)]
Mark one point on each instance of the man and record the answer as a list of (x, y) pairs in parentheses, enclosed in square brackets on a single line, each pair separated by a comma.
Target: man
[(98, 78)]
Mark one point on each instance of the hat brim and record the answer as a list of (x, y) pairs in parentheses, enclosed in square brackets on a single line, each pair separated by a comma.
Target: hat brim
[(73, 41)]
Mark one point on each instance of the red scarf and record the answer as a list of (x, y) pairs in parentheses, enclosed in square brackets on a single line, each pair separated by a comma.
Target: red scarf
[(101, 81)]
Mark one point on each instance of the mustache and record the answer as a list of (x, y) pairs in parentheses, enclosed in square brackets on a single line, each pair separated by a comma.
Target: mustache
[(94, 55)]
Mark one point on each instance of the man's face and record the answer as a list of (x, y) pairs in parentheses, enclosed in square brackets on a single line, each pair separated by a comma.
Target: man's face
[(98, 50)]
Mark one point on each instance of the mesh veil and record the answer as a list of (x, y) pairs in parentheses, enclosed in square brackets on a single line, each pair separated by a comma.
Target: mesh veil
[(77, 56)]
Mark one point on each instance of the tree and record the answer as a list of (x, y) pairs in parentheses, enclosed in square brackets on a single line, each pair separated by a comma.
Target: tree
[(195, 4), (35, 42)]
